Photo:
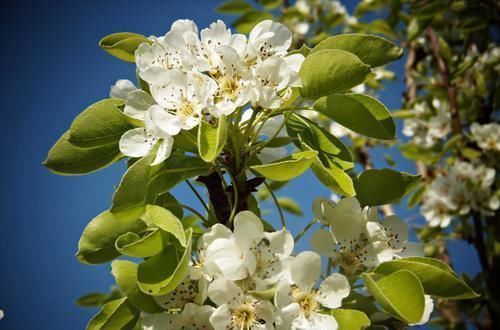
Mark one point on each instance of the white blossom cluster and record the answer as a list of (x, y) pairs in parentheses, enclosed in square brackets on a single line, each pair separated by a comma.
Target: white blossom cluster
[(355, 239), (463, 188), (252, 281), (486, 136), (193, 76), (428, 125)]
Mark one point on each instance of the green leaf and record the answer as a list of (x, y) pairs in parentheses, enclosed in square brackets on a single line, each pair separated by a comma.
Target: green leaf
[(123, 44), (329, 147), (142, 183), (97, 244), (169, 202), (399, 294), (286, 168), (416, 152), (234, 7), (101, 123), (379, 187), (94, 299), (331, 71), (271, 4), (125, 273), (117, 314), (136, 246), (304, 50), (360, 113), (290, 205), (247, 21), (211, 140), (350, 319), (372, 50), (162, 273), (67, 159), (166, 221), (437, 278), (187, 140)]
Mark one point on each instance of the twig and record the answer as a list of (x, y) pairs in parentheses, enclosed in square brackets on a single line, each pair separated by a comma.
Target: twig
[(280, 211), (306, 228)]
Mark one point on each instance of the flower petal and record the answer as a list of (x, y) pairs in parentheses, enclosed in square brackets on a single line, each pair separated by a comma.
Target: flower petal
[(333, 289), (223, 291), (323, 242), (136, 143), (164, 150), (306, 270)]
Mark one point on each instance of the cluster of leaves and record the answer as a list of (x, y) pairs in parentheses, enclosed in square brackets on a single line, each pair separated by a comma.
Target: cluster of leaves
[(147, 223)]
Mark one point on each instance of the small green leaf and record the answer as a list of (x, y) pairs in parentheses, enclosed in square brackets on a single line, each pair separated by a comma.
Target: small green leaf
[(125, 273), (211, 140), (123, 45), (166, 221), (117, 314), (94, 299), (304, 50), (331, 71), (399, 294), (290, 205), (379, 187), (263, 294), (97, 244), (350, 319), (329, 147), (371, 49), (245, 23), (361, 113), (234, 7), (162, 273), (437, 278), (169, 202), (271, 4), (142, 183), (136, 246), (101, 123), (67, 159), (286, 168)]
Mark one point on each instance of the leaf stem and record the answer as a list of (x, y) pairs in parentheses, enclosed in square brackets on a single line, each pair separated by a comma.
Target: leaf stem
[(235, 196), (205, 206), (280, 211), (306, 228)]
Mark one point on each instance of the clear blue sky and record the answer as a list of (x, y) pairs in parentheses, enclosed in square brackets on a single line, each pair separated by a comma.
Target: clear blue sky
[(52, 70)]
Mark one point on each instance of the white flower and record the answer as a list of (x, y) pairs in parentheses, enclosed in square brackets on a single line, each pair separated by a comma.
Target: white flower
[(181, 100), (137, 100), (486, 136), (1, 314), (299, 303), (236, 310), (217, 35), (356, 239), (192, 317), (248, 255), (269, 39), (428, 308), (275, 77)]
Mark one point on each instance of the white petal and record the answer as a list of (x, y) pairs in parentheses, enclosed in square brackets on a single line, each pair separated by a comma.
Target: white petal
[(136, 143), (164, 150), (247, 228), (396, 227), (184, 25), (221, 318), (159, 321), (283, 295), (163, 121), (264, 310), (323, 242), (156, 76), (306, 270), (232, 262), (333, 289), (376, 253), (138, 102), (196, 317), (216, 231), (223, 291), (316, 321), (320, 205), (281, 242), (412, 250), (121, 89), (286, 315), (428, 308)]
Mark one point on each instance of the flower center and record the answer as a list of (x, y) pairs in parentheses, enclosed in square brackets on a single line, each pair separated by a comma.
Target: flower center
[(307, 302), (244, 317), (348, 260)]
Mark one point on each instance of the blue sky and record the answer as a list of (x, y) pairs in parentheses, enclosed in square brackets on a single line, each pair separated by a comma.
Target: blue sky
[(53, 69)]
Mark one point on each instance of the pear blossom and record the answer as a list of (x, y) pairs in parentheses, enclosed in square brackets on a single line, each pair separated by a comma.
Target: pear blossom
[(269, 39), (486, 136), (356, 239), (300, 304), (237, 310), (192, 317)]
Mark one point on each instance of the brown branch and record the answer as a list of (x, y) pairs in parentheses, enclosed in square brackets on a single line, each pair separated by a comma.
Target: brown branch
[(445, 77)]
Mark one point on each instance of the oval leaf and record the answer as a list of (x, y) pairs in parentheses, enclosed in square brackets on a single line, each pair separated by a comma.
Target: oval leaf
[(67, 159), (372, 50), (399, 294), (166, 221), (123, 45), (361, 113), (101, 123), (162, 273), (125, 273), (437, 278), (211, 140), (287, 168), (133, 245), (117, 314), (350, 319), (97, 244), (395, 186), (331, 71)]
